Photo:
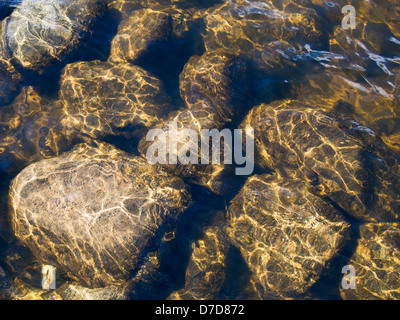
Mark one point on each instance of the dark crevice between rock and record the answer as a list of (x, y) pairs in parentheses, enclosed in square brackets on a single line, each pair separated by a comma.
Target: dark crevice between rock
[(202, 195), (156, 285), (19, 262), (166, 59), (237, 276), (329, 283), (175, 254), (126, 139), (7, 7)]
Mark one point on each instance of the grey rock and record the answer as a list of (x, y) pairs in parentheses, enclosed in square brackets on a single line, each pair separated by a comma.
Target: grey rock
[(93, 211), (286, 234)]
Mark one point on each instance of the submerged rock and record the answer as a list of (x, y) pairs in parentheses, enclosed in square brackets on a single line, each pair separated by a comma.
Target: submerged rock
[(145, 28), (101, 98), (93, 211), (41, 32), (9, 81), (286, 234), (206, 271), (208, 82), (9, 76), (339, 159), (376, 263), (125, 7), (68, 291), (372, 11), (206, 88), (240, 26), (188, 150), (372, 101), (5, 285)]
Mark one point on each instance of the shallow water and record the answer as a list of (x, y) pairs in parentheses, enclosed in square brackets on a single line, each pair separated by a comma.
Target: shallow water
[(280, 50)]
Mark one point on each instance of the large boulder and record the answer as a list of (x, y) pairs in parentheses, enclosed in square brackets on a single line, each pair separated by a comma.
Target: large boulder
[(339, 158), (212, 82), (94, 211), (286, 234), (360, 72), (188, 148)]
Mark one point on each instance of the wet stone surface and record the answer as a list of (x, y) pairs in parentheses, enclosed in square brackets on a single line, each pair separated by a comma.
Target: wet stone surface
[(68, 291), (239, 26), (93, 211), (101, 97), (285, 234), (338, 158), (376, 262), (145, 27), (39, 32)]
